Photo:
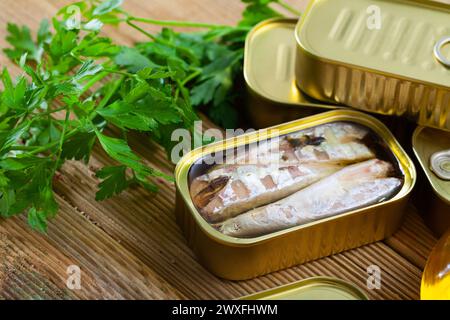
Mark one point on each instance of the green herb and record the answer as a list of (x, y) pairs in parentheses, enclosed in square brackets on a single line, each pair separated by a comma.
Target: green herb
[(76, 84)]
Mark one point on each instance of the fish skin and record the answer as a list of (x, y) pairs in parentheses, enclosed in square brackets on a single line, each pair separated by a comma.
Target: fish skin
[(353, 187), (231, 190), (337, 142)]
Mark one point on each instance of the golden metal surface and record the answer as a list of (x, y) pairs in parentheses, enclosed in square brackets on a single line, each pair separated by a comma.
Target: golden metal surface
[(317, 288), (426, 142), (237, 259), (269, 72), (391, 70)]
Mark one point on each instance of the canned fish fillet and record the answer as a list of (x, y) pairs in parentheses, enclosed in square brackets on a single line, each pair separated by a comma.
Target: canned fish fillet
[(388, 57), (294, 193)]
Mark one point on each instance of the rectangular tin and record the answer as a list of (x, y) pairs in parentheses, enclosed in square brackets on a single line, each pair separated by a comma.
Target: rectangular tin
[(434, 193), (269, 72), (238, 259), (379, 56)]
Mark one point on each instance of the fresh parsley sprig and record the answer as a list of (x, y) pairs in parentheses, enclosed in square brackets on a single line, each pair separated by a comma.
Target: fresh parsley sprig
[(75, 83)]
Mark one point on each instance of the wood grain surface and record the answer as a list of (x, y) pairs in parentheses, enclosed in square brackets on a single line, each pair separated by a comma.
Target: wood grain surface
[(130, 247)]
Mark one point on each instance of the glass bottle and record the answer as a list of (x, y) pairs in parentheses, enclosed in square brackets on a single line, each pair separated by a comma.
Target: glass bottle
[(436, 276)]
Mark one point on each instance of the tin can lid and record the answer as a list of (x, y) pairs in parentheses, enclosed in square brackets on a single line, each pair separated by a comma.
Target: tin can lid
[(316, 288), (382, 36), (269, 64), (432, 149)]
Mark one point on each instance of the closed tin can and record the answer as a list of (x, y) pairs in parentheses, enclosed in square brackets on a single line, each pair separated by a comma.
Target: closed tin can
[(316, 288), (388, 57), (269, 72), (243, 258), (432, 149)]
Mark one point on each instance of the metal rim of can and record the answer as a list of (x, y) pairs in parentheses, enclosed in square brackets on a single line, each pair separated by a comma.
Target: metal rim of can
[(440, 164), (438, 53), (183, 166), (334, 286)]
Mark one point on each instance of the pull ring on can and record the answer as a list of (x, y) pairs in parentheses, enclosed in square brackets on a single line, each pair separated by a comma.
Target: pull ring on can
[(440, 164), (438, 51)]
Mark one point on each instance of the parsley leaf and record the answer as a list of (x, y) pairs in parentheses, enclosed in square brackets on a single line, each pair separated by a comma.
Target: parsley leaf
[(79, 147), (257, 11), (132, 59), (20, 39), (30, 188), (114, 182)]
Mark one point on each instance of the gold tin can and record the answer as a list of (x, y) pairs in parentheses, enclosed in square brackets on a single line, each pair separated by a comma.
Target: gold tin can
[(316, 288), (239, 258), (429, 146), (269, 72), (388, 57)]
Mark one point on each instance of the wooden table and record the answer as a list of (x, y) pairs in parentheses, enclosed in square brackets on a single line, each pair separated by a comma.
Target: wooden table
[(130, 247)]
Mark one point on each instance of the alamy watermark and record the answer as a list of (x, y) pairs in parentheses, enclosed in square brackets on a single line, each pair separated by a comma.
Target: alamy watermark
[(262, 145), (373, 21), (374, 277), (74, 19), (73, 281)]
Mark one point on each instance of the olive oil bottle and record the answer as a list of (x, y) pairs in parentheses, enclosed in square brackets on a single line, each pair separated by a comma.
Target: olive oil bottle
[(436, 277)]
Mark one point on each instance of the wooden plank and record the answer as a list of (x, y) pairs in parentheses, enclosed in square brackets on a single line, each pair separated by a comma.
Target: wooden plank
[(130, 246), (414, 240), (40, 262)]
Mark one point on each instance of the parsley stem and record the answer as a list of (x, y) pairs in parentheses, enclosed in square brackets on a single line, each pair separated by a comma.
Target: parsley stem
[(158, 40), (191, 77), (23, 148), (108, 96), (288, 7), (183, 24), (93, 81), (61, 140), (63, 134), (123, 73), (52, 144), (131, 24), (51, 111)]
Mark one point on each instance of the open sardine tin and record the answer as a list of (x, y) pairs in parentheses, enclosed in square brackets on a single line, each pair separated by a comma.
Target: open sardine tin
[(244, 258), (429, 143), (269, 72), (385, 56)]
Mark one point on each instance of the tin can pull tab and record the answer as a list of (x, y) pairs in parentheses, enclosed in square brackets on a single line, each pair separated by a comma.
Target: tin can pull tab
[(440, 164), (438, 51)]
